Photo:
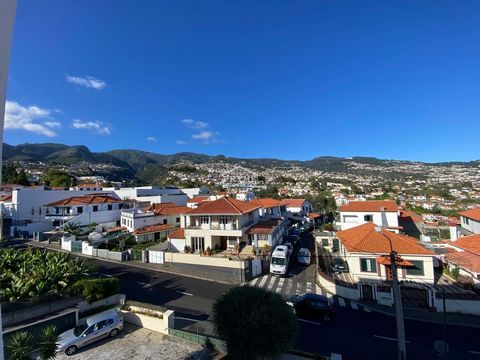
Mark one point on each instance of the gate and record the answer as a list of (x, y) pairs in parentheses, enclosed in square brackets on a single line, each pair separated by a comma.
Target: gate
[(414, 296), (155, 257), (255, 267), (77, 246), (137, 255)]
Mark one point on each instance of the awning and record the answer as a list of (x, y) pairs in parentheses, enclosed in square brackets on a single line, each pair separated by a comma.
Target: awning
[(385, 260)]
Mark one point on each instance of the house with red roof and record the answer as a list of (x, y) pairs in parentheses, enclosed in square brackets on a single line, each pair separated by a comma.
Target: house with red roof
[(221, 223), (298, 206), (470, 220), (379, 212), (464, 253), (366, 250), (84, 209)]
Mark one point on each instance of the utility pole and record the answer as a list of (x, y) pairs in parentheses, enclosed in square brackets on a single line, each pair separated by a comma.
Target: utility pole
[(397, 301)]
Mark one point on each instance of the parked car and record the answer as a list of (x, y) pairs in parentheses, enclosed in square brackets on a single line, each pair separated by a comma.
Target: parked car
[(339, 265), (105, 324), (289, 246), (294, 239), (303, 256), (312, 306)]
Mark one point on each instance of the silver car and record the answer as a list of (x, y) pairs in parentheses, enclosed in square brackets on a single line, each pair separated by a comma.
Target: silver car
[(107, 323), (303, 256)]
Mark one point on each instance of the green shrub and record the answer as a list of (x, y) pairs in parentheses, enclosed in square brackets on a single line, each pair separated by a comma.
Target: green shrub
[(96, 289)]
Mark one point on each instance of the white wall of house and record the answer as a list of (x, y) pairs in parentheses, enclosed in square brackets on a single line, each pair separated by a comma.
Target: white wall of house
[(177, 245), (349, 220), (305, 208), (377, 272), (153, 195), (134, 219), (470, 224)]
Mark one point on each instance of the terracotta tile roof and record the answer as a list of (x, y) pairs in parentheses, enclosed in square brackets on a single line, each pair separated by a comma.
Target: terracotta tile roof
[(267, 202), (466, 260), (263, 227), (365, 238), (86, 200), (314, 215), (153, 228), (473, 214), (410, 214), (175, 210), (158, 206), (225, 206), (115, 229), (294, 202), (177, 234), (374, 206), (7, 197), (469, 243), (198, 199)]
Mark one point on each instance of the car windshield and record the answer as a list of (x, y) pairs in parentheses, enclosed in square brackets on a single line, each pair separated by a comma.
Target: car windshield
[(278, 261), (80, 329)]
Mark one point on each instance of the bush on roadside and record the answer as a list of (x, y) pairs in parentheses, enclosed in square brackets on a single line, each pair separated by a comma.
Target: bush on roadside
[(96, 289)]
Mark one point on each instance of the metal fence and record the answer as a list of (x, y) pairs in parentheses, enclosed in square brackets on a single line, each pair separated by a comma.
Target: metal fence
[(198, 338)]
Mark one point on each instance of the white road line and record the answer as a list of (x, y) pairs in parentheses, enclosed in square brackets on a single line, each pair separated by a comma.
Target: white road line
[(310, 322), (367, 309), (270, 284), (388, 338), (262, 283), (341, 302), (141, 283), (254, 282), (183, 293), (107, 275), (289, 286), (298, 289), (354, 305), (474, 352), (280, 285), (309, 287)]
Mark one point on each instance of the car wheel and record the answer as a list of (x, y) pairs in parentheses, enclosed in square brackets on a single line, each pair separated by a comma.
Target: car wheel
[(113, 333), (71, 350)]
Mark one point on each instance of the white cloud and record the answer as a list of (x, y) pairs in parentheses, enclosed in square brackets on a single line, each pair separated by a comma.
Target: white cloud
[(23, 118), (96, 126), (151, 138), (204, 135), (52, 124), (86, 81), (194, 124), (180, 142)]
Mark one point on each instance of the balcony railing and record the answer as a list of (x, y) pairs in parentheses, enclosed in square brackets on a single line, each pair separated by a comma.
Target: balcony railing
[(228, 226)]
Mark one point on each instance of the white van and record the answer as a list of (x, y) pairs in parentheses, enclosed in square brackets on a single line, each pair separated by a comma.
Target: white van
[(279, 260)]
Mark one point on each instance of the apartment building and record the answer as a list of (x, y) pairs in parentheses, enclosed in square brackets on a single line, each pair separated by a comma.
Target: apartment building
[(381, 213)]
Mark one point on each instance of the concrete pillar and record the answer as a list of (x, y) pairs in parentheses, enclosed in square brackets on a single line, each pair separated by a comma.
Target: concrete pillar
[(453, 232)]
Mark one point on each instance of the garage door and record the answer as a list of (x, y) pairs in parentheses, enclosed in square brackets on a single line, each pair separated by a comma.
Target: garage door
[(155, 257)]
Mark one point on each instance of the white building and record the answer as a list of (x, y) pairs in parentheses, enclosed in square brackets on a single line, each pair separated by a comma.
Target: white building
[(382, 213), (470, 220), (366, 251), (152, 194), (298, 206), (163, 213), (193, 192)]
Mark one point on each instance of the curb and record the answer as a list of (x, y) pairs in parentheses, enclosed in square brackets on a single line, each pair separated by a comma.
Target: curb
[(127, 263)]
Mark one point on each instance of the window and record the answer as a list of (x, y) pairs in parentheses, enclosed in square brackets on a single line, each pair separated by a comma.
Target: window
[(109, 322), (350, 218), (223, 219), (95, 207), (278, 261), (177, 220), (324, 242), (164, 221), (110, 207), (465, 220), (79, 209), (204, 220), (368, 218), (368, 265), (416, 269)]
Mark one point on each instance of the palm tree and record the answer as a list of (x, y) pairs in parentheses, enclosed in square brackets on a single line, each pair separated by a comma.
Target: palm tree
[(20, 346), (48, 342), (255, 323)]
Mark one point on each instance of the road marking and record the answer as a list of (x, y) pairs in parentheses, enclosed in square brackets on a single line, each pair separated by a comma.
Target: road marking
[(388, 338), (141, 283), (183, 293), (280, 285), (270, 283), (262, 283), (474, 352), (310, 322), (341, 302), (367, 309), (309, 287), (254, 282), (298, 289), (354, 306), (289, 286), (107, 275)]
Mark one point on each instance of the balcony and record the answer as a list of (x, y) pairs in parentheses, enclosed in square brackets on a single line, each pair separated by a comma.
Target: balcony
[(216, 226)]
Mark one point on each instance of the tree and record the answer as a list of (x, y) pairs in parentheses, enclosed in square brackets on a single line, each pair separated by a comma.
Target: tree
[(48, 342), (57, 178), (20, 346), (12, 176), (255, 323)]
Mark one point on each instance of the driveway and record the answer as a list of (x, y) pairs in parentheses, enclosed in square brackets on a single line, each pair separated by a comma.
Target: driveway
[(136, 343)]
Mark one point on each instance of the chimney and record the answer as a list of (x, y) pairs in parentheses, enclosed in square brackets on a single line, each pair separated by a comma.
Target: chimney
[(384, 217), (453, 231)]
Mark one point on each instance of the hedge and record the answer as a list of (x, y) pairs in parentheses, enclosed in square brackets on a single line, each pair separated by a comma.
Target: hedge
[(96, 289)]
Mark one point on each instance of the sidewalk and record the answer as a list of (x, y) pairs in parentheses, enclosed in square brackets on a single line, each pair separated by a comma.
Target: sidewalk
[(428, 316), (147, 266)]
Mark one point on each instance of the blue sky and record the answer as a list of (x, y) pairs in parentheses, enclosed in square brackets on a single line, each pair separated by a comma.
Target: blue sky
[(283, 79)]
